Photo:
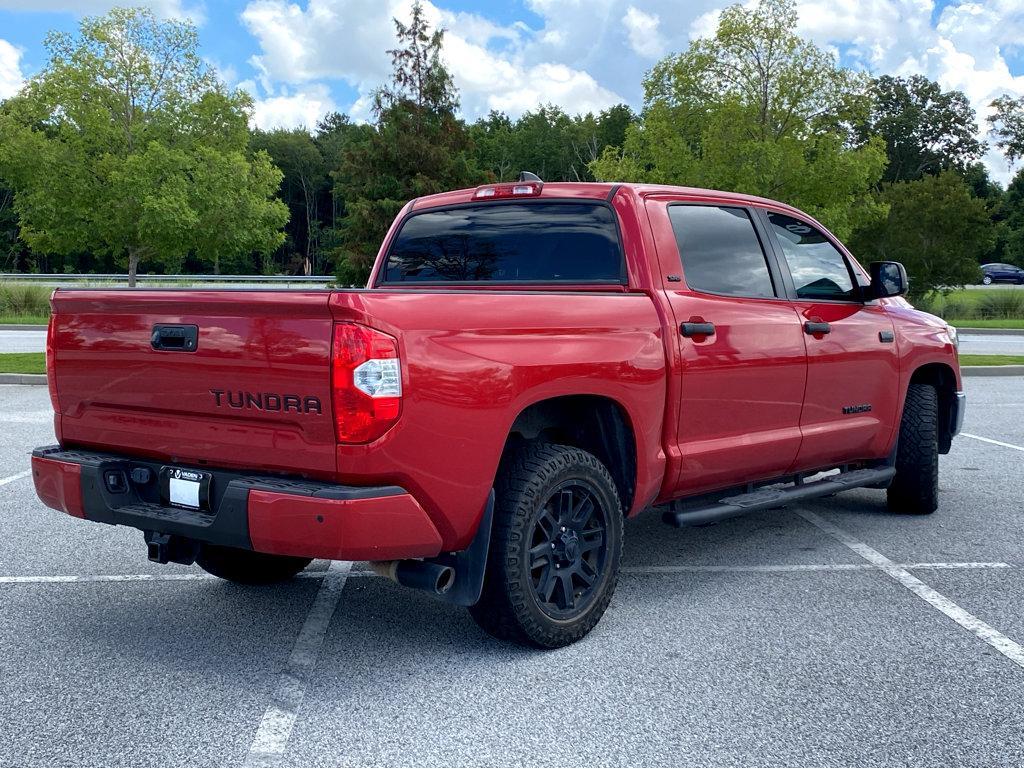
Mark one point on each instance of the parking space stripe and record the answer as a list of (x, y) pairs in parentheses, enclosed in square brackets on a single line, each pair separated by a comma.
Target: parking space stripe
[(1009, 648), (275, 729), (993, 441), (783, 568), (67, 578), (15, 477), (63, 579)]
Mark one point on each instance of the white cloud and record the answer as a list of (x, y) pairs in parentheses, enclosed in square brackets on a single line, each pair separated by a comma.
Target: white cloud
[(171, 9), (345, 39), (301, 107), (11, 78), (588, 54), (642, 29), (965, 50), (348, 40)]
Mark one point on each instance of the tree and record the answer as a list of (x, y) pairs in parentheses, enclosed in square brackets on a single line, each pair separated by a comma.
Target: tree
[(106, 146), (305, 180), (549, 142), (1007, 119), (926, 130), (1011, 216), (756, 109), (419, 147), (935, 227)]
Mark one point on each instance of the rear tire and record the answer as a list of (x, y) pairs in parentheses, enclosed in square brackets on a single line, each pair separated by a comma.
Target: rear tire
[(915, 488), (555, 547), (248, 567)]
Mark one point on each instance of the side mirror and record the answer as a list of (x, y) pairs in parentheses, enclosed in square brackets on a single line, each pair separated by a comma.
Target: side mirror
[(887, 279)]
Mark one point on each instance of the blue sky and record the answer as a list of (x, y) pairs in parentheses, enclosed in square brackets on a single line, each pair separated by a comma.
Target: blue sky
[(302, 58)]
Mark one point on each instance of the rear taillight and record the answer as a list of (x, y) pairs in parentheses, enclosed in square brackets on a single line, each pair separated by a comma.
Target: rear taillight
[(51, 365), (366, 379)]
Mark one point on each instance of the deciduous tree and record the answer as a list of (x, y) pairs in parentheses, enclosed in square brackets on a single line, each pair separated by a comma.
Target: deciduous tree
[(926, 130), (935, 227), (755, 108), (111, 149)]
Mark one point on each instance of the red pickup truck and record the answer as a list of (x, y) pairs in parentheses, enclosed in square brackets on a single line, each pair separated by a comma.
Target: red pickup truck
[(529, 365)]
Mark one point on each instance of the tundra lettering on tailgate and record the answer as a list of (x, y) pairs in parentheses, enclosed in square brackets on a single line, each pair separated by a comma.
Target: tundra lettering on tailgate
[(239, 399)]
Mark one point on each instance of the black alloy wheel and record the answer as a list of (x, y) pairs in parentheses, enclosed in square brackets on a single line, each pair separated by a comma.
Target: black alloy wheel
[(568, 549)]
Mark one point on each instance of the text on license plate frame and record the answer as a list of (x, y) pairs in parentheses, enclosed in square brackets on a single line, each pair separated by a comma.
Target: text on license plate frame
[(185, 488)]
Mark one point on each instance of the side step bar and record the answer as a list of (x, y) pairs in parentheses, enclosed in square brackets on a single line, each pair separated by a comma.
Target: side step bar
[(772, 497)]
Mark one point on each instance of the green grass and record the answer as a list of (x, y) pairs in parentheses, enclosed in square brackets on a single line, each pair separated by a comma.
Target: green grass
[(23, 363), (975, 304), (992, 360), (987, 323), (24, 320), (24, 299)]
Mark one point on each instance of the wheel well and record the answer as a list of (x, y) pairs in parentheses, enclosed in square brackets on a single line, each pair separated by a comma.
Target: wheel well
[(942, 378), (589, 422)]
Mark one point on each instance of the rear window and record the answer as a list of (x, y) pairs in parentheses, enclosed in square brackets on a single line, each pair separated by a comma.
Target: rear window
[(508, 243), (720, 251)]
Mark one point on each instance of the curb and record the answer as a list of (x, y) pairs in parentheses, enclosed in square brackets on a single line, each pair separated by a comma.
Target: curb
[(31, 379), (990, 371), (31, 327)]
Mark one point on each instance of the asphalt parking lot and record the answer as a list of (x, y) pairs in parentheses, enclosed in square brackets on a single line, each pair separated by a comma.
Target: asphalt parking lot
[(831, 634)]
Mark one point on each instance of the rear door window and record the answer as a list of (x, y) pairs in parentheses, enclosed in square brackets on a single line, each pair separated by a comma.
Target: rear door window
[(819, 271), (508, 243), (720, 251)]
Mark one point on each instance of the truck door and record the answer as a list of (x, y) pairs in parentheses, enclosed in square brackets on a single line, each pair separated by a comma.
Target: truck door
[(853, 369), (742, 364)]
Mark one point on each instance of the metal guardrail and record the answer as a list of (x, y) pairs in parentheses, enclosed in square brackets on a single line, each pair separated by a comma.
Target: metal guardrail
[(122, 278)]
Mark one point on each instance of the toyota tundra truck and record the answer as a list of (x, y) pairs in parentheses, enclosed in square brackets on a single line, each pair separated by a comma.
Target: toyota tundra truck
[(529, 365)]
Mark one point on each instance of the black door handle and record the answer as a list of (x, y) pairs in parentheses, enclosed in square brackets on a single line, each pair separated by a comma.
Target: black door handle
[(175, 338), (816, 327), (697, 329)]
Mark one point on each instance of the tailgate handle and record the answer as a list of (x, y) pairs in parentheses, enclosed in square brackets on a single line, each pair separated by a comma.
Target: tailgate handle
[(175, 338)]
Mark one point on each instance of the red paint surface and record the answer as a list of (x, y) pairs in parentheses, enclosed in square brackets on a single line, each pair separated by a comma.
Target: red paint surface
[(758, 399), (376, 529), (59, 485)]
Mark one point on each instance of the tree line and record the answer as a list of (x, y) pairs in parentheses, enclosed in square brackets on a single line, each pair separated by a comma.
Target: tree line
[(127, 152)]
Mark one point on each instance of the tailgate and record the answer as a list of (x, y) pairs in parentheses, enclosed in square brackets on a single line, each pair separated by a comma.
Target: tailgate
[(253, 391)]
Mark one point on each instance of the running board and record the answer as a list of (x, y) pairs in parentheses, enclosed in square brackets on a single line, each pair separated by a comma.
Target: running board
[(772, 497)]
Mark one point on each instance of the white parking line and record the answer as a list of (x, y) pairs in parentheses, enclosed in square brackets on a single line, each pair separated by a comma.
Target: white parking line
[(66, 578), (15, 477), (1009, 648), (783, 568), (990, 440), (275, 729), (43, 579)]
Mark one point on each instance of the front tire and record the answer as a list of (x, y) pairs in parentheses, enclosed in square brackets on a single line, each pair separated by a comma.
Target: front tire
[(915, 487), (554, 556), (247, 566), (987, 280)]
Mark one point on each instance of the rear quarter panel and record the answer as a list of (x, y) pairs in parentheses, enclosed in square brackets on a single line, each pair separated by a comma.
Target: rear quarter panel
[(473, 360)]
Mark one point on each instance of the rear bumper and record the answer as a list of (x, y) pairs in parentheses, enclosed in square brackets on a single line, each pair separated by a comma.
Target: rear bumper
[(267, 514)]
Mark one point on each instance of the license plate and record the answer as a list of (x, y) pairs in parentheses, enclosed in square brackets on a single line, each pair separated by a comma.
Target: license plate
[(182, 487)]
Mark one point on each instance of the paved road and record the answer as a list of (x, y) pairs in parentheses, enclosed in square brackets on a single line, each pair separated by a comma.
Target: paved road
[(22, 341), (992, 344), (774, 639)]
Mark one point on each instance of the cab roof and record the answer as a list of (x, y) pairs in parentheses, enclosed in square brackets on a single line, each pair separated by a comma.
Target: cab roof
[(597, 191)]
